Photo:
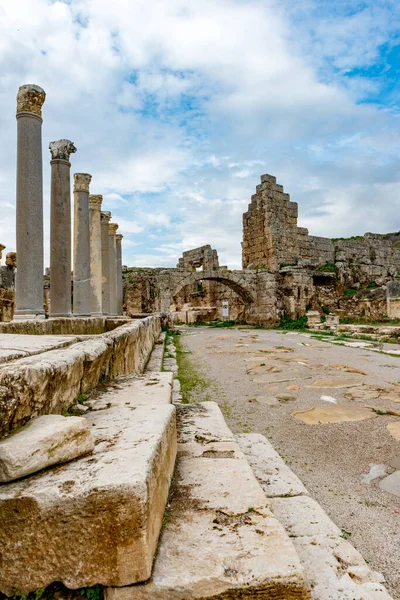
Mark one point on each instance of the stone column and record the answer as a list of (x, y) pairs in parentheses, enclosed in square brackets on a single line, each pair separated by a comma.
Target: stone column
[(120, 301), (60, 229), (112, 257), (81, 278), (29, 226), (95, 255), (105, 265)]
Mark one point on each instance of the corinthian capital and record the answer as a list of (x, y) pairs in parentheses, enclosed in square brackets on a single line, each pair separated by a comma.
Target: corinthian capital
[(81, 182), (61, 149), (30, 98), (112, 228), (119, 237), (95, 201), (105, 217)]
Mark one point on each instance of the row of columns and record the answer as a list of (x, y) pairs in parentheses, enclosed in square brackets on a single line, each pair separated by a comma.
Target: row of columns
[(97, 265)]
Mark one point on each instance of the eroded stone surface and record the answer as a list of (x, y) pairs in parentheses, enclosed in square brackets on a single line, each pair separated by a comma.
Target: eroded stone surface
[(274, 476), (98, 517), (221, 540), (44, 441)]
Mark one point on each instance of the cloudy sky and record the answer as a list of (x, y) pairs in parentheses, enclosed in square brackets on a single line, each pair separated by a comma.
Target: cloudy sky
[(177, 107)]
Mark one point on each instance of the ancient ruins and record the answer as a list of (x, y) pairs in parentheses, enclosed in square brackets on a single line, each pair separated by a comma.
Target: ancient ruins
[(119, 476)]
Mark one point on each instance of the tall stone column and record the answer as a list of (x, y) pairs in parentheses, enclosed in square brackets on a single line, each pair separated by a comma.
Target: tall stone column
[(95, 255), (29, 226), (112, 257), (81, 303), (105, 263), (60, 228), (119, 275)]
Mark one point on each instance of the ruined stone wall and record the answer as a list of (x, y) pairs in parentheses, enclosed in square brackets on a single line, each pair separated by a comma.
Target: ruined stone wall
[(272, 239), (204, 256), (270, 227)]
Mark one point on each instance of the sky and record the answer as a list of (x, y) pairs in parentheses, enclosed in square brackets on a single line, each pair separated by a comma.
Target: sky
[(177, 107)]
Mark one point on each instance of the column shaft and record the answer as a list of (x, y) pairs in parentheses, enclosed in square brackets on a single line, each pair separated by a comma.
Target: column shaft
[(60, 239), (81, 279), (120, 299), (95, 256), (105, 264), (29, 226), (112, 256)]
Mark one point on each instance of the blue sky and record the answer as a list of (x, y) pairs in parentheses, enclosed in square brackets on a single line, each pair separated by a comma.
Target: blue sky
[(176, 108)]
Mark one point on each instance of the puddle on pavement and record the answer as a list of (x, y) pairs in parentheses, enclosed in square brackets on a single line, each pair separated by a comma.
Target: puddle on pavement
[(375, 471), (336, 413)]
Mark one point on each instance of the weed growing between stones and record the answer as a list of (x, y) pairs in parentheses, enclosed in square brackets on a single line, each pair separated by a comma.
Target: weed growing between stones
[(287, 323), (194, 386)]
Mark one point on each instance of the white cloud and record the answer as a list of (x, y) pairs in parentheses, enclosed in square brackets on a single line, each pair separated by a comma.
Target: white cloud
[(177, 107)]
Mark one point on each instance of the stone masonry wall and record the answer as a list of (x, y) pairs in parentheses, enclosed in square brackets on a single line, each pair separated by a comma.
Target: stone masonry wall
[(272, 239)]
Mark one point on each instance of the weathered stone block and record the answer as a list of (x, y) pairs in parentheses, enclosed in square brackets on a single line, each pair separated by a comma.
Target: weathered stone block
[(44, 441), (98, 518)]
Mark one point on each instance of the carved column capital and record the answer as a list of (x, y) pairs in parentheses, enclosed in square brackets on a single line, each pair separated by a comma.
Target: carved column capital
[(81, 182), (112, 228), (30, 98), (105, 217), (61, 149), (119, 237), (95, 201)]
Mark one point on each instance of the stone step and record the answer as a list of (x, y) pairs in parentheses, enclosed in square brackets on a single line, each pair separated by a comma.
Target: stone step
[(155, 363), (334, 568), (95, 519), (133, 390), (220, 539)]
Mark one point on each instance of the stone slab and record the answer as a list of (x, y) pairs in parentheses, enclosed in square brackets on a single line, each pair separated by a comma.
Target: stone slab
[(274, 476), (391, 483), (132, 390), (44, 441), (14, 346), (336, 571), (303, 516), (98, 517), (221, 540)]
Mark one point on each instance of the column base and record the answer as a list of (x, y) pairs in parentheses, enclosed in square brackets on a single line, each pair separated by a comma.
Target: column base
[(60, 316), (21, 316), (99, 314), (81, 316)]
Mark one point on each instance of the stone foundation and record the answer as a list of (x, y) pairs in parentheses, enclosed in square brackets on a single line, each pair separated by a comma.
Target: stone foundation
[(51, 382)]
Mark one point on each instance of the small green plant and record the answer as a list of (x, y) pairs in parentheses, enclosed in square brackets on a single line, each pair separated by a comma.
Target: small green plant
[(326, 310), (327, 268), (82, 398), (346, 534), (372, 285), (92, 593), (349, 293), (287, 323)]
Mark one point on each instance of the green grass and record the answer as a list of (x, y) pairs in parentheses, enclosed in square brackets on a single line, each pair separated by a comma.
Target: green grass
[(327, 268), (222, 324), (194, 386), (287, 323), (350, 292)]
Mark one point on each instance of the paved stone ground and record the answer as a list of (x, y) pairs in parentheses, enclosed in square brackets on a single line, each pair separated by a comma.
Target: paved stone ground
[(260, 378)]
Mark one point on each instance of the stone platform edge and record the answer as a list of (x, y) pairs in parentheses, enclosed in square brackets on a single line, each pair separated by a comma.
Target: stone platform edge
[(51, 382)]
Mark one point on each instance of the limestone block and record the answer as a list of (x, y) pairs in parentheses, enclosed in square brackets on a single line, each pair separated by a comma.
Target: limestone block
[(220, 540), (303, 516), (96, 519), (133, 390), (275, 477), (44, 441), (335, 570)]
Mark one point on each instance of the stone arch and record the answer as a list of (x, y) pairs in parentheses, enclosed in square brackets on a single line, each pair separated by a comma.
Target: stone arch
[(225, 278)]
